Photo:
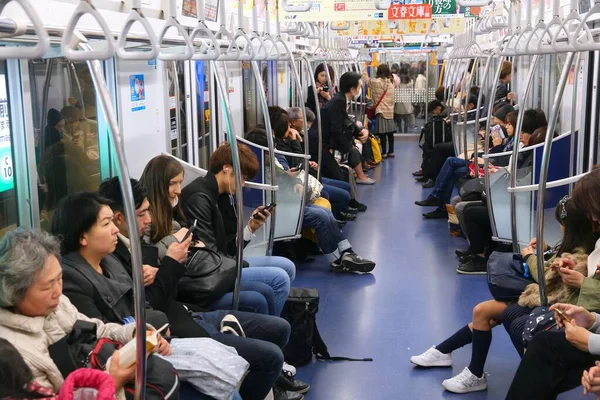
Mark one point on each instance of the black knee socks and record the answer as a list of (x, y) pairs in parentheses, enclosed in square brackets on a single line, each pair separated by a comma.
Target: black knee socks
[(480, 348), (461, 338)]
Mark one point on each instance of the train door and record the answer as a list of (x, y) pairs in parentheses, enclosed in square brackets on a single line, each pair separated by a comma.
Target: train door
[(69, 145)]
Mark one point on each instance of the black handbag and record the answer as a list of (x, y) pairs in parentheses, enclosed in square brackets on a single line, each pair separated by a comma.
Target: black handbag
[(472, 190), (506, 276), (540, 319), (209, 276)]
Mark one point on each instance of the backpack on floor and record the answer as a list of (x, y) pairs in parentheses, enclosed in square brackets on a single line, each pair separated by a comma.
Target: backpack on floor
[(300, 310)]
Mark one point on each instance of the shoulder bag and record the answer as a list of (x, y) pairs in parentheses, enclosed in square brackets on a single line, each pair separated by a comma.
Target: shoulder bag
[(371, 112)]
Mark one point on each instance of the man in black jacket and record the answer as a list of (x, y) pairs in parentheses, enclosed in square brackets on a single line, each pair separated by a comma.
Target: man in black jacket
[(339, 131), (265, 335)]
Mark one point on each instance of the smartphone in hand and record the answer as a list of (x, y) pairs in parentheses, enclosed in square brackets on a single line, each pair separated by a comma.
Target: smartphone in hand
[(269, 208), (190, 231)]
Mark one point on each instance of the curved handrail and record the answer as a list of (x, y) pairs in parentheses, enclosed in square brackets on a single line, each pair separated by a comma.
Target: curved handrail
[(211, 50), (173, 23), (86, 7), (261, 186), (273, 52), (247, 51), (544, 172), (43, 44), (590, 44), (545, 47), (233, 52), (134, 16), (296, 8), (557, 183), (572, 18)]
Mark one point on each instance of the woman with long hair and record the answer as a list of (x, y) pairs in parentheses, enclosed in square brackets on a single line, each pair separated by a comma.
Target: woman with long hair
[(382, 91), (163, 178)]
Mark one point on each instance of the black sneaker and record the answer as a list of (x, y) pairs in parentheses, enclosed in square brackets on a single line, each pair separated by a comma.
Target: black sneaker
[(359, 206), (418, 173), (466, 258), (421, 179), (351, 210), (287, 382), (282, 394), (429, 184), (438, 213), (341, 224), (354, 263), (476, 266), (344, 216), (430, 201), (462, 252)]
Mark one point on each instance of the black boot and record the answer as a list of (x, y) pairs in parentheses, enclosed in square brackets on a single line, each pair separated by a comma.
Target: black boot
[(430, 201)]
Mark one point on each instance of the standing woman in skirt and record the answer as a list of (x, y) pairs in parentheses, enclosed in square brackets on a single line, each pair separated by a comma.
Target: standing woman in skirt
[(382, 88)]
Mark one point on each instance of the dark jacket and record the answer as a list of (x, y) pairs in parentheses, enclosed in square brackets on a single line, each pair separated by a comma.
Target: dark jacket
[(290, 146), (162, 293), (200, 200), (501, 92), (338, 129), (108, 296)]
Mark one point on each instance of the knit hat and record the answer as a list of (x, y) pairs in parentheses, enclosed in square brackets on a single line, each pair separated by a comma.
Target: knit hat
[(54, 117), (502, 112)]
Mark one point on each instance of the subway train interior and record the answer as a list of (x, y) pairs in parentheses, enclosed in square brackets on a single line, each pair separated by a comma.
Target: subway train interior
[(415, 178)]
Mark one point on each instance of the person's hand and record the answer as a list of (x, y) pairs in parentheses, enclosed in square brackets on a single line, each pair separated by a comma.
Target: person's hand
[(577, 335), (180, 234), (293, 172), (292, 134), (591, 380), (584, 318), (179, 251), (563, 262), (299, 188), (120, 375), (527, 251), (72, 101), (163, 347), (149, 274), (571, 277), (510, 96), (496, 141), (262, 214), (313, 165)]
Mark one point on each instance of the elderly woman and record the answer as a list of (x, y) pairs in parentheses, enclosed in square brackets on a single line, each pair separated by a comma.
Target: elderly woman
[(33, 312)]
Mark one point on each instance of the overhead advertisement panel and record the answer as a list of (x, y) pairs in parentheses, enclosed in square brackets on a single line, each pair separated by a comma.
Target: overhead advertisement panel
[(382, 30), (332, 10)]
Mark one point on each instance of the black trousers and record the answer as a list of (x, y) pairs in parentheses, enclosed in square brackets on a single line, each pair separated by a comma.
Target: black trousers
[(436, 159), (550, 366), (479, 229), (329, 166), (387, 139)]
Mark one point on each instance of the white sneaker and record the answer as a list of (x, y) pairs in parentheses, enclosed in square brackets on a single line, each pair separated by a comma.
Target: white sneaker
[(465, 382), (289, 368), (432, 358)]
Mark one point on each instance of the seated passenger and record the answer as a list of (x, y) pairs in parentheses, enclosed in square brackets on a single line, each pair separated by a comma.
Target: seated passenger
[(34, 314), (96, 281), (336, 247), (455, 167), (260, 330), (163, 177), (339, 132), (578, 240)]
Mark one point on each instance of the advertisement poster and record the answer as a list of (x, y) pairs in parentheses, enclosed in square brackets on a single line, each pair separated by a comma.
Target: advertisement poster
[(333, 10), (444, 7), (6, 164), (138, 92), (189, 8)]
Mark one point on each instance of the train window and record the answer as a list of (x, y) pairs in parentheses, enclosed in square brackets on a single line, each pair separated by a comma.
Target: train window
[(8, 196), (177, 111), (66, 131)]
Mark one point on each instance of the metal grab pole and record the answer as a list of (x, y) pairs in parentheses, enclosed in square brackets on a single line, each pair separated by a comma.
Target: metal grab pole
[(515, 154), (486, 71), (486, 147), (311, 80), (544, 175), (239, 200), (573, 119), (139, 294), (263, 102)]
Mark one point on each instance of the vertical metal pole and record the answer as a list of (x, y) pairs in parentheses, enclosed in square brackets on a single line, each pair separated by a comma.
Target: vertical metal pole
[(594, 113), (515, 154), (311, 80), (42, 138), (544, 175), (222, 89), (486, 70), (139, 295), (573, 119), (173, 65)]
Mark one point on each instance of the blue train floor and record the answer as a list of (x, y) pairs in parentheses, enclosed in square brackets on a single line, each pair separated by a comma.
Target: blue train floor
[(414, 299)]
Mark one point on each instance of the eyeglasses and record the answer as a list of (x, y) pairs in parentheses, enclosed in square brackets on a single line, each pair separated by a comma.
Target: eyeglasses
[(563, 207)]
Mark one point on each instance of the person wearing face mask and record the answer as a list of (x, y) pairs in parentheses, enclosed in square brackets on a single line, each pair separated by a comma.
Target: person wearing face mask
[(339, 132)]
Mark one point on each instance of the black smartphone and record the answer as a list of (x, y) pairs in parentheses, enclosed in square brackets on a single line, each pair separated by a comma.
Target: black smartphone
[(297, 168), (269, 208), (326, 88), (190, 231)]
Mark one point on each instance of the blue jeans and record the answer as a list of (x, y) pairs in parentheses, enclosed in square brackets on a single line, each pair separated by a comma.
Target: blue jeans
[(452, 169), (337, 183), (265, 337), (255, 297), (339, 198), (330, 237), (277, 272)]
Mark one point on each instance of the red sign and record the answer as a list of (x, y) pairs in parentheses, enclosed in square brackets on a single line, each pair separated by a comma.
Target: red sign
[(409, 11), (340, 7)]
